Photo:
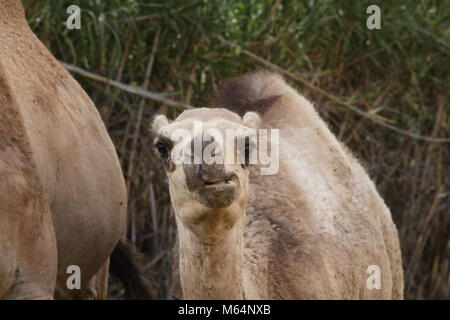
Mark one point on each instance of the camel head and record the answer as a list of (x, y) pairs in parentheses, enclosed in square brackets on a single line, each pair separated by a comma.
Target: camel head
[(206, 154)]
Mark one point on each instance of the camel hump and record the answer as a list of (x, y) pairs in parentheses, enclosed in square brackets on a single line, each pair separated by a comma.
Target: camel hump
[(258, 92)]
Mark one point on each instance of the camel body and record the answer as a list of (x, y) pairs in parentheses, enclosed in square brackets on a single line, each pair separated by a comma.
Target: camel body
[(317, 229), (62, 194)]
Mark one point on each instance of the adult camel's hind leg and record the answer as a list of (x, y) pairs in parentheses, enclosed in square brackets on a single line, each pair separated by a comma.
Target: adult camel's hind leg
[(28, 254), (101, 282)]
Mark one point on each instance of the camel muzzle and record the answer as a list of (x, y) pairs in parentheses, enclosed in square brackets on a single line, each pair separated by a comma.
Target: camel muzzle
[(199, 175), (213, 187)]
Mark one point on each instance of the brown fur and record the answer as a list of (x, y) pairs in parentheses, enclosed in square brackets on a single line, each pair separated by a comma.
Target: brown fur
[(312, 229), (244, 94), (62, 193)]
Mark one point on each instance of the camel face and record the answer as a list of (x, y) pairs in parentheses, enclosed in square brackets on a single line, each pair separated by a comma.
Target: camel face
[(206, 154)]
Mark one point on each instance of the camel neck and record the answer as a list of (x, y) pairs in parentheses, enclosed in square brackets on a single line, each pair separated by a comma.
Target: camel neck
[(211, 266)]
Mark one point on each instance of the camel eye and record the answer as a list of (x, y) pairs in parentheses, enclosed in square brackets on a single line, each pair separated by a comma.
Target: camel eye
[(163, 149)]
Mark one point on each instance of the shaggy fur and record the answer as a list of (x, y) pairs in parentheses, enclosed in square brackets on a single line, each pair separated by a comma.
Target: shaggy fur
[(309, 232)]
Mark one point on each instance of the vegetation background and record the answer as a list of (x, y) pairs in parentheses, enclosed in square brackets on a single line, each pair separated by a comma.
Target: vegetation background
[(367, 84)]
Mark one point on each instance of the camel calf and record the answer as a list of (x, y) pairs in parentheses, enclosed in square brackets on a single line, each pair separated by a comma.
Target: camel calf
[(316, 229)]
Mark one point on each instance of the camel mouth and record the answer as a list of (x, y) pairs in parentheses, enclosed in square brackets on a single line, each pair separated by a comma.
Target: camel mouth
[(218, 194), (217, 183), (229, 181)]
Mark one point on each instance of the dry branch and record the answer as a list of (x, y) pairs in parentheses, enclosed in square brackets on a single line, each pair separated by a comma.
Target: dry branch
[(133, 90)]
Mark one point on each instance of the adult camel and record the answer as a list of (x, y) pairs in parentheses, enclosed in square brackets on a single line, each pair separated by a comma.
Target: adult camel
[(63, 199), (316, 229)]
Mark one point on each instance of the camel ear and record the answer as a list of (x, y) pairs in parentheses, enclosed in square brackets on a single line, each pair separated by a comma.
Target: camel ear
[(251, 119), (158, 122)]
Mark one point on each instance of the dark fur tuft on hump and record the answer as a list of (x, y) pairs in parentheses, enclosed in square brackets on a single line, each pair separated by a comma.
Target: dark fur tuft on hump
[(252, 92)]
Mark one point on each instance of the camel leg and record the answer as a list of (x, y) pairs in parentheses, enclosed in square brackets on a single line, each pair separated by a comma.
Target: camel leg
[(27, 269), (97, 287), (101, 282), (27, 262), (28, 254)]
